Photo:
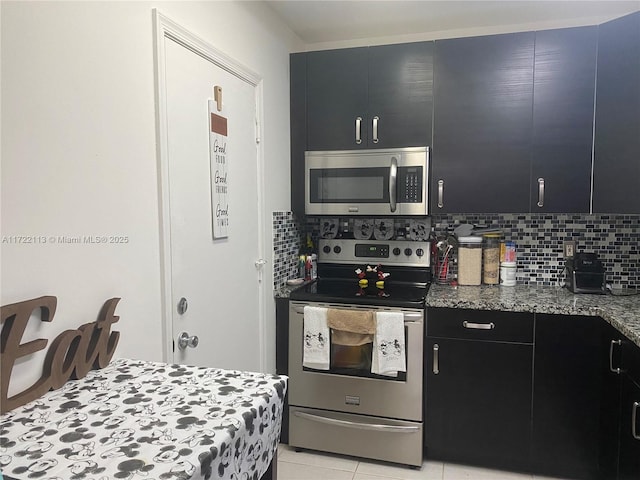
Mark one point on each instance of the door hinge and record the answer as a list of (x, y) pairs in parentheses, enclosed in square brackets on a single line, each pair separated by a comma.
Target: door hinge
[(257, 131)]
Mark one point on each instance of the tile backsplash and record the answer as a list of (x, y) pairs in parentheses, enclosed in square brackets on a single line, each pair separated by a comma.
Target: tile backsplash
[(539, 239)]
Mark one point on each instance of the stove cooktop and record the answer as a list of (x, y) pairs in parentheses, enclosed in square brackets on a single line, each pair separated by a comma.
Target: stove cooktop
[(398, 294)]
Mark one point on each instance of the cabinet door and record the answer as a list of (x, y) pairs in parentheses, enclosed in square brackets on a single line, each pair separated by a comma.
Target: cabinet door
[(478, 402), (566, 396), (483, 97), (616, 169), (336, 96), (298, 115), (613, 344), (563, 96), (400, 95), (629, 466)]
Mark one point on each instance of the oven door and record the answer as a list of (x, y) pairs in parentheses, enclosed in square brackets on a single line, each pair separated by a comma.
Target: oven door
[(367, 182), (348, 385)]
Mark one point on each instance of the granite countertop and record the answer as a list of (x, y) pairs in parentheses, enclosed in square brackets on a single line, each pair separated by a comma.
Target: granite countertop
[(285, 290), (623, 312)]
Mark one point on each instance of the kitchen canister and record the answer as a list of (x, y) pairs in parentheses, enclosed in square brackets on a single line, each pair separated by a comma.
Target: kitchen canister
[(491, 258), (469, 260), (508, 274)]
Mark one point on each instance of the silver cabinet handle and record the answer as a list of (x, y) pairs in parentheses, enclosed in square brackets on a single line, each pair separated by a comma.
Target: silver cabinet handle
[(541, 192), (375, 128), (393, 183), (358, 425), (479, 326), (440, 193), (611, 347), (184, 341), (358, 130), (634, 420), (436, 367)]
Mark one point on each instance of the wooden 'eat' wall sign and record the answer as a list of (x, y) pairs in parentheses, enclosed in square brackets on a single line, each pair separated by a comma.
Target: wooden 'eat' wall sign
[(72, 354)]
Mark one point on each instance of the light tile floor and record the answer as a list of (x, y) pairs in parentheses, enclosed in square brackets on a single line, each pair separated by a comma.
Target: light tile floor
[(308, 465)]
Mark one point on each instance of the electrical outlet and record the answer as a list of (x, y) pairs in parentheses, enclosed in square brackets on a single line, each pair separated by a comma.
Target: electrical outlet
[(569, 248)]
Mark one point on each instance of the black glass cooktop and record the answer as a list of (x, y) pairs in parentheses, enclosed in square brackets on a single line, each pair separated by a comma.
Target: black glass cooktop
[(400, 294)]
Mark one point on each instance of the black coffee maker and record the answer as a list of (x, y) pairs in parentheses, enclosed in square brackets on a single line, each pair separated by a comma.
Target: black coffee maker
[(584, 273)]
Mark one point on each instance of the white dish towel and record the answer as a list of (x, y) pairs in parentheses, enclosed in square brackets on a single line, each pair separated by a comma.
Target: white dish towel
[(316, 346), (388, 357)]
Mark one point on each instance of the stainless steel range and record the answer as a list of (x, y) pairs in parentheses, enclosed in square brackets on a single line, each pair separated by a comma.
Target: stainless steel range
[(344, 407)]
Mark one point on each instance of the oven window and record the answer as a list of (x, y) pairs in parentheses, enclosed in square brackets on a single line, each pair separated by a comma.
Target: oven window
[(355, 361)]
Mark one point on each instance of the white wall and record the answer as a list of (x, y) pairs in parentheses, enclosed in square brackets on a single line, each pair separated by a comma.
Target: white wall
[(79, 154)]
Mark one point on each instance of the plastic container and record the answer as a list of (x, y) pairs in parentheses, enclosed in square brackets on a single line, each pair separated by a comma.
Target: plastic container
[(491, 258), (508, 274), (469, 260)]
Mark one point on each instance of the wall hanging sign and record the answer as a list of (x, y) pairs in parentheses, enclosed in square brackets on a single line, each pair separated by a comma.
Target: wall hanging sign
[(219, 169)]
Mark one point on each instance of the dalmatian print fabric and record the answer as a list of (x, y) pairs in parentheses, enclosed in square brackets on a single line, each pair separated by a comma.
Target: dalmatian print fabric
[(147, 420)]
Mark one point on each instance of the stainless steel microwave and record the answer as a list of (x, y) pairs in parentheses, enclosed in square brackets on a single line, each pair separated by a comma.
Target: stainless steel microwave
[(367, 182)]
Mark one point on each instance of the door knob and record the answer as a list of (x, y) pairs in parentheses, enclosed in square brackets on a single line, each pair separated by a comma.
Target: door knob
[(182, 306), (184, 341)]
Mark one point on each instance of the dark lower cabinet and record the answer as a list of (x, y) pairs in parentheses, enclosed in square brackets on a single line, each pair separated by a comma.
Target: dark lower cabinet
[(477, 391), (554, 395), (567, 385), (611, 366), (282, 357), (629, 458)]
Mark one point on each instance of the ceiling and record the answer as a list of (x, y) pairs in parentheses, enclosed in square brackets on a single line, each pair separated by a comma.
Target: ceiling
[(326, 21)]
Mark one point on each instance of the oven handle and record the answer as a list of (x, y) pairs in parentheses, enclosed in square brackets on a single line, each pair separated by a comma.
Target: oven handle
[(409, 317), (361, 426)]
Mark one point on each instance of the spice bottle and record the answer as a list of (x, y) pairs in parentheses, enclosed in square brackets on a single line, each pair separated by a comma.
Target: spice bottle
[(469, 260), (508, 274), (491, 259)]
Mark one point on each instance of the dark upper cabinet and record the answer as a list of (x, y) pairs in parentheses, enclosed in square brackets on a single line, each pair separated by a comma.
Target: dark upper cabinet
[(380, 95), (336, 97), (563, 97), (298, 119), (401, 95), (616, 170), (483, 97)]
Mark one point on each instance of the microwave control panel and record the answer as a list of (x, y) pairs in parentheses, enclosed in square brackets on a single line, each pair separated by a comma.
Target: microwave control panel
[(410, 184)]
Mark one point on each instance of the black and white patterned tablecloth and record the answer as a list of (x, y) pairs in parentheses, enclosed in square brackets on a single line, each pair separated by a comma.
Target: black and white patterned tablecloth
[(146, 420)]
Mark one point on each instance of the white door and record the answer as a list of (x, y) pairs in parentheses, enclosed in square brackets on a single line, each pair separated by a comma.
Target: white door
[(218, 278)]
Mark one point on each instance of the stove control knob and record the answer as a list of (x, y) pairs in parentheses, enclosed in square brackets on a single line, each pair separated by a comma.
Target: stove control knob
[(326, 249), (420, 252), (408, 252), (396, 251), (337, 249)]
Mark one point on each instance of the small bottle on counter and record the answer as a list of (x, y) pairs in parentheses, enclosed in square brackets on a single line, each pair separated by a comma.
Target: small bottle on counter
[(314, 266), (491, 258), (469, 260), (508, 274), (509, 252), (302, 263)]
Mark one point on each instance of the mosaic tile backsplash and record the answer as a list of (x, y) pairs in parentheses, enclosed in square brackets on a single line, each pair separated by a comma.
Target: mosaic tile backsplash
[(539, 239)]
